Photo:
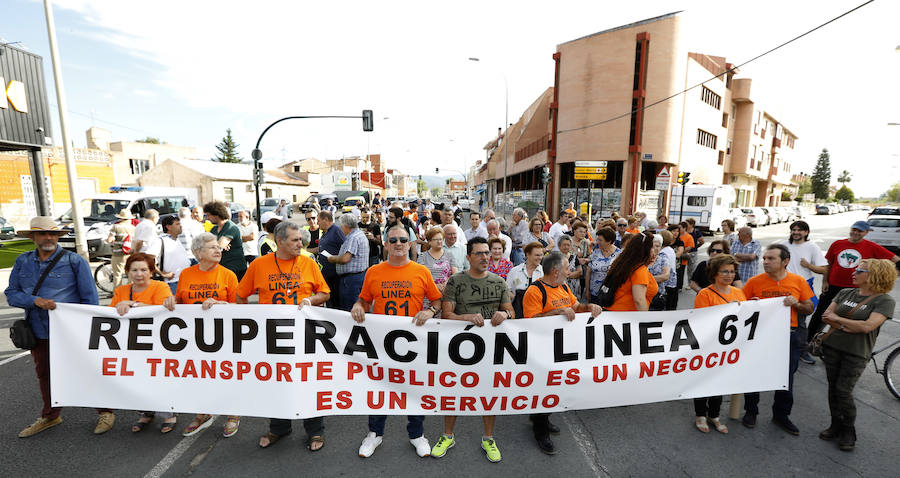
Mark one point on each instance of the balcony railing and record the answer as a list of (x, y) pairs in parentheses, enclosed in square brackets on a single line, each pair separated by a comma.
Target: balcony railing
[(535, 147)]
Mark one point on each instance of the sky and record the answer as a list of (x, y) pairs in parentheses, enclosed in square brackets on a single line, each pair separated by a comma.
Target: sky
[(185, 71)]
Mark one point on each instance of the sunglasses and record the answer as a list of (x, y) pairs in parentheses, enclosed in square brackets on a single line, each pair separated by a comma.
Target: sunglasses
[(860, 271), (402, 240), (621, 225), (717, 251), (310, 218)]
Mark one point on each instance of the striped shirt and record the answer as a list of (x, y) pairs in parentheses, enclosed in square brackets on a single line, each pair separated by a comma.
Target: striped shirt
[(356, 244), (747, 268)]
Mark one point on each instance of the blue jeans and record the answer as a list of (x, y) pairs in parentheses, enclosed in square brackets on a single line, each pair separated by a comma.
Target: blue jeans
[(784, 399), (173, 286), (517, 256), (415, 428), (349, 290)]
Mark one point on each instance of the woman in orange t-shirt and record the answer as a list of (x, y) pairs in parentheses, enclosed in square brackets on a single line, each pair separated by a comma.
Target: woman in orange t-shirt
[(721, 270), (207, 283), (144, 291), (634, 284)]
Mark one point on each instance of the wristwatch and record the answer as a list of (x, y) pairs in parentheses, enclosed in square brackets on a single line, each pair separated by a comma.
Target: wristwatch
[(433, 310)]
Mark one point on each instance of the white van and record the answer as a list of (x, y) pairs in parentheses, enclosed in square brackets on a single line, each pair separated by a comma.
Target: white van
[(708, 204)]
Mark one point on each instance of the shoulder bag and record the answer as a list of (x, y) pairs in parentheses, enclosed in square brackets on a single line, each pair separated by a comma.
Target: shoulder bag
[(815, 345), (21, 334)]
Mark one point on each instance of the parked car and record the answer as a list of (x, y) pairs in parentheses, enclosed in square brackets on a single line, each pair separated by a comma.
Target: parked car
[(6, 229), (756, 216), (823, 210), (351, 201), (465, 204), (774, 217), (320, 197), (885, 211), (271, 204), (789, 213), (235, 208), (885, 231), (739, 218), (798, 212)]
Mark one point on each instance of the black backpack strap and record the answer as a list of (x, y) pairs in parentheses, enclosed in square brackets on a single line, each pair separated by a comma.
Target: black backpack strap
[(46, 272), (566, 288), (540, 285)]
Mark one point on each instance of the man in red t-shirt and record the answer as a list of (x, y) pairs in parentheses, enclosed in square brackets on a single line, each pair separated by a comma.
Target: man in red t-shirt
[(843, 256)]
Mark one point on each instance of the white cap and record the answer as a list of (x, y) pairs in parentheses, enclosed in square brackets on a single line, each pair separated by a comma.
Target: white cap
[(269, 215)]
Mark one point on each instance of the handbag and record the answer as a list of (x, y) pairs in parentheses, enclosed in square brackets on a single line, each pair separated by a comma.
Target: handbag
[(21, 334), (126, 245), (814, 347)]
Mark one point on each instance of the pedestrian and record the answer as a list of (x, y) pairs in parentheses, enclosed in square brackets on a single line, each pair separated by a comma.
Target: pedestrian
[(776, 281), (249, 235), (267, 243), (843, 256), (728, 234), (146, 239), (474, 296), (697, 236), (476, 229), (400, 277), (493, 229), (315, 232), (550, 296), (329, 207), (287, 277), (630, 278), (661, 270), (497, 264), (573, 268), (545, 219), (121, 241), (581, 250), (229, 237), (560, 227), (621, 229), (523, 275), (807, 260), (207, 283), (447, 219), (519, 235), (747, 251), (32, 287), (198, 215), (189, 229), (855, 316), (721, 271), (330, 242), (631, 225), (351, 261), (141, 292), (395, 215), (372, 231), (689, 247), (536, 233), (455, 248), (284, 209), (172, 257), (602, 257), (662, 223), (440, 262), (700, 279)]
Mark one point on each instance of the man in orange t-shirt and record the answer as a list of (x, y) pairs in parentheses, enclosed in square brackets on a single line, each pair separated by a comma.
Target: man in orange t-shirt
[(778, 282), (397, 287), (287, 277), (551, 296)]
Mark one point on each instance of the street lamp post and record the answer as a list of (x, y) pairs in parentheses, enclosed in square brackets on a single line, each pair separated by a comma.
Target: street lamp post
[(505, 127)]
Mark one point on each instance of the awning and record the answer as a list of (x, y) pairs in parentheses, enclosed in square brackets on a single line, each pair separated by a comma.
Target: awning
[(479, 189)]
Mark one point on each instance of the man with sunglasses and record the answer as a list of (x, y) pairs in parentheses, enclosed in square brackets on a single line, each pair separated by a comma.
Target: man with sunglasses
[(397, 287), (621, 226)]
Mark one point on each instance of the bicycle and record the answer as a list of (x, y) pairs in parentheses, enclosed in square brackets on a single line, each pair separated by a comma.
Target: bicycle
[(891, 369)]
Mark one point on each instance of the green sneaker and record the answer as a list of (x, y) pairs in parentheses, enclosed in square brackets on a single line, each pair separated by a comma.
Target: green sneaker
[(445, 442), (490, 448)]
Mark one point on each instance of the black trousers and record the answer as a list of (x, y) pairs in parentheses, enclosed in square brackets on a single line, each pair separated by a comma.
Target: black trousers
[(540, 424), (313, 426), (815, 321)]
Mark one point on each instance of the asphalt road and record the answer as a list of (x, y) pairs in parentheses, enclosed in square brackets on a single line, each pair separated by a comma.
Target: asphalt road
[(646, 440)]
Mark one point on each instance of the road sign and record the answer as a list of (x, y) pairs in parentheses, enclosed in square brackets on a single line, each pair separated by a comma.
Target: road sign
[(590, 164), (589, 170), (662, 180), (590, 176)]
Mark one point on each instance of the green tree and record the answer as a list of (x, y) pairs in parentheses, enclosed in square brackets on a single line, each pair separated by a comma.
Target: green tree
[(150, 140), (821, 176), (893, 194), (228, 150), (436, 192), (845, 177), (421, 187), (844, 194), (805, 186), (786, 195)]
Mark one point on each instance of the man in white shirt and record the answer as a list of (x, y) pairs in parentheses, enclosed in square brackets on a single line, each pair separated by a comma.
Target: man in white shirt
[(477, 228), (283, 209), (249, 234), (560, 227), (455, 248), (173, 257), (807, 260), (146, 239), (447, 220), (189, 230), (493, 229)]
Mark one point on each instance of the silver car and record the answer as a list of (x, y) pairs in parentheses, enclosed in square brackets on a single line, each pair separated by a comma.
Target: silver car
[(756, 216)]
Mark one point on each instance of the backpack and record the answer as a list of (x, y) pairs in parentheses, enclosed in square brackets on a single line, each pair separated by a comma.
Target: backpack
[(540, 286)]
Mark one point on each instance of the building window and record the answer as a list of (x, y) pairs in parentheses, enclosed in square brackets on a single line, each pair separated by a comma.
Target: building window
[(721, 158), (710, 97), (724, 120), (139, 166), (229, 194), (296, 169), (706, 139), (728, 148)]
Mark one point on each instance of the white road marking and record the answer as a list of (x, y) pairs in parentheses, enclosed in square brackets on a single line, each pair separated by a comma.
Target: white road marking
[(175, 453), (10, 359)]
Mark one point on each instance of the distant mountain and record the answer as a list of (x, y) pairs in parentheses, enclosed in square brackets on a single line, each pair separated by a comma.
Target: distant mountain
[(438, 181)]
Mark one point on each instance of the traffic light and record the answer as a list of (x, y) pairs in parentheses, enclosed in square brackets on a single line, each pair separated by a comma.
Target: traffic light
[(368, 121), (545, 175), (258, 175), (684, 177)]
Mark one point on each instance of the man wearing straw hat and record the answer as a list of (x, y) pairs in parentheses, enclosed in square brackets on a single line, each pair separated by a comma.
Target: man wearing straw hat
[(69, 281), (118, 234)]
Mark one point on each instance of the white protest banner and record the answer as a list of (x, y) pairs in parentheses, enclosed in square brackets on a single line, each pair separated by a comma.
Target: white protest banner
[(277, 361)]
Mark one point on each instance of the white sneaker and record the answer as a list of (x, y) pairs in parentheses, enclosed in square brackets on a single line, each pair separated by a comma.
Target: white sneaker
[(421, 445), (369, 444)]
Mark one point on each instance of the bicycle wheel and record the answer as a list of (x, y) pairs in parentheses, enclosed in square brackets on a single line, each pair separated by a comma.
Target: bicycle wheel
[(103, 277), (892, 372)]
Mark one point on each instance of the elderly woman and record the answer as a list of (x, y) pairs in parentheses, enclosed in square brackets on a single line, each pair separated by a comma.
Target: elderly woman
[(855, 316), (661, 270), (669, 286), (728, 234), (497, 264), (441, 263), (143, 291), (207, 283), (574, 270), (604, 254), (524, 274), (537, 233)]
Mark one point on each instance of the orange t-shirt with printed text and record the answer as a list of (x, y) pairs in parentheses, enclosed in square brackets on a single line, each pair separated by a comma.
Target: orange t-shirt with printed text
[(708, 297), (557, 297), (398, 290), (624, 300), (195, 285), (633, 231), (282, 281), (154, 294), (689, 243), (764, 287)]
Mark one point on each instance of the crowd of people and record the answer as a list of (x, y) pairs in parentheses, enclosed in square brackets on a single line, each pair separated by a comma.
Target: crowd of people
[(488, 273)]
